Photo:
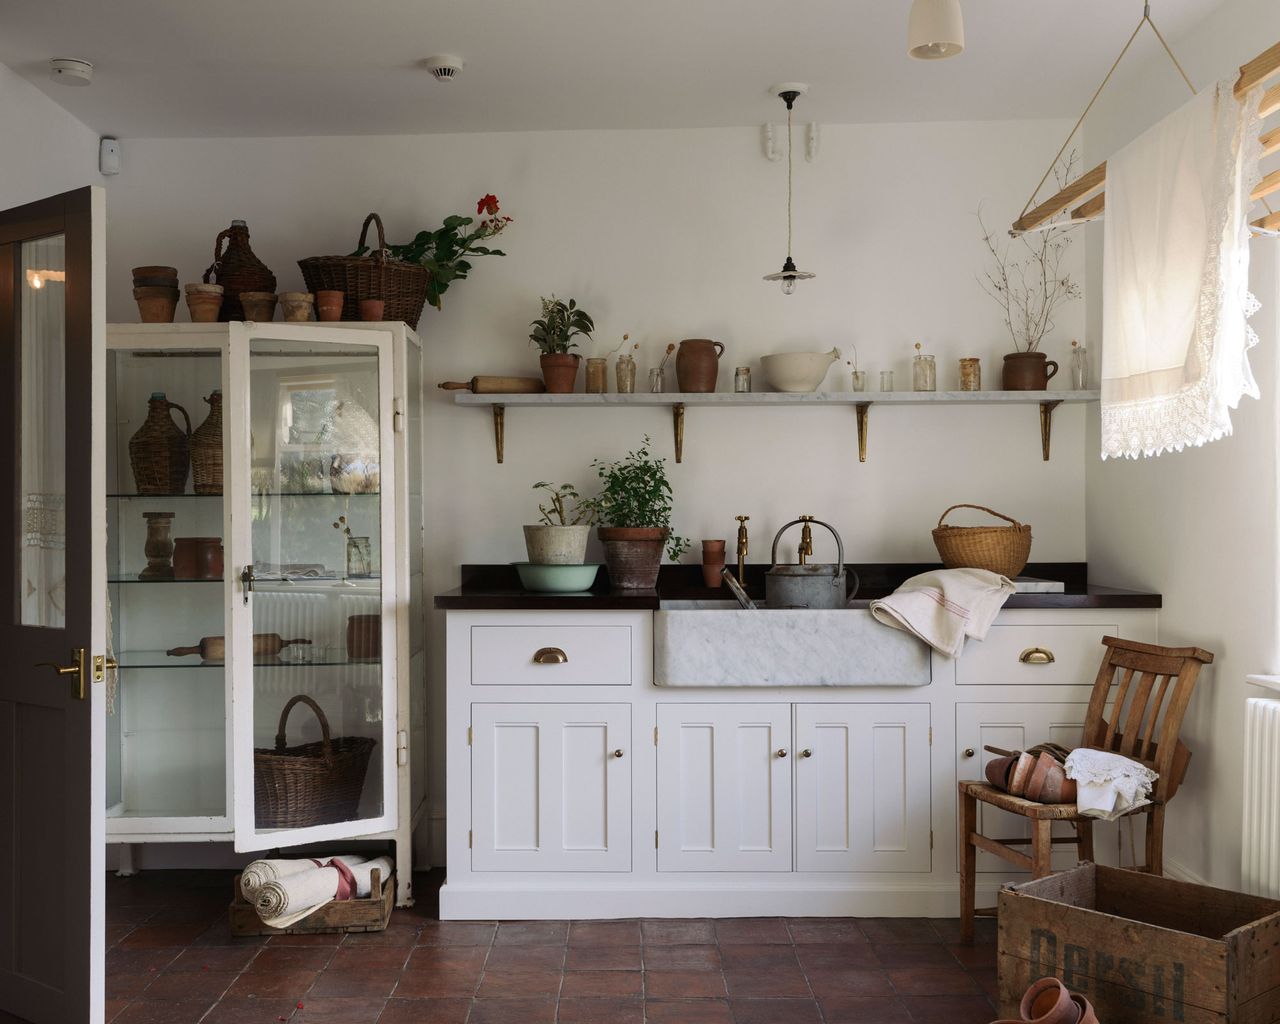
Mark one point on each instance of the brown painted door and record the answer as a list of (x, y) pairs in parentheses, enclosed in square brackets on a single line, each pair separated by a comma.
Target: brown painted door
[(51, 877)]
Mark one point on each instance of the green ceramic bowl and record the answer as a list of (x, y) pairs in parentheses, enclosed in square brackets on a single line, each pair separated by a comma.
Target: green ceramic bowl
[(557, 579)]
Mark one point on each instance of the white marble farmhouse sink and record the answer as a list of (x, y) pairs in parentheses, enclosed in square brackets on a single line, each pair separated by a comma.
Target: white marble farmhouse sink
[(719, 644)]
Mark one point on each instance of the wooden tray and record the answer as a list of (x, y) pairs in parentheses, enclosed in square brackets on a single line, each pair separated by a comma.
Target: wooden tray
[(360, 915)]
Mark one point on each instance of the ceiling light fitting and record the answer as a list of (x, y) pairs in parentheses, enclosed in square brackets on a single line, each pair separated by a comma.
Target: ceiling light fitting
[(444, 67), (71, 71), (789, 92), (935, 29)]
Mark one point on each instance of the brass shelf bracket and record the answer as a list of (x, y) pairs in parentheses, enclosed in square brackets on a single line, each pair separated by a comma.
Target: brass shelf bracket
[(499, 430), (677, 425), (1046, 426), (861, 409)]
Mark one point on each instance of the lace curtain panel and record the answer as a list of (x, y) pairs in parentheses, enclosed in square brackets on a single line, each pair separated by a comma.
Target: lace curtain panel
[(1175, 288), (43, 429)]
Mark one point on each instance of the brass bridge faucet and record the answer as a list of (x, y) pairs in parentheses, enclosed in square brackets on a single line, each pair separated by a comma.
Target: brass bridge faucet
[(743, 546), (806, 539)]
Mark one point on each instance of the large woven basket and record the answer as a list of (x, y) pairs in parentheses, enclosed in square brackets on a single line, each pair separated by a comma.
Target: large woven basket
[(310, 784), (402, 286), (1001, 549)]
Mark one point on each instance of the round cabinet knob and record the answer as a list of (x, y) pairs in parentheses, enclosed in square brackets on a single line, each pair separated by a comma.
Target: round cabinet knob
[(782, 753), (618, 753), (806, 752), (969, 751)]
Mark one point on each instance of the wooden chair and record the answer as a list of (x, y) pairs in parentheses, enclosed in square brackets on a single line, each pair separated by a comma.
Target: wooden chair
[(1155, 686)]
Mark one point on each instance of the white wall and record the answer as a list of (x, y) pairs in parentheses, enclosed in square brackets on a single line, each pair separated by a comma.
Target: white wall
[(46, 150), (1199, 526)]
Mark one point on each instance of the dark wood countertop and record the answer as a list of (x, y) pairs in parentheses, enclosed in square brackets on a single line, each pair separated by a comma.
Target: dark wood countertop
[(497, 588)]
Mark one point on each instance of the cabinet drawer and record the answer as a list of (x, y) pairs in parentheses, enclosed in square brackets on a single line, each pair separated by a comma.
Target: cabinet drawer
[(1076, 651), (592, 655)]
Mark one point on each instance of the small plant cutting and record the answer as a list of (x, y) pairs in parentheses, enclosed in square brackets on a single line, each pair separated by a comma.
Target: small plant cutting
[(560, 538), (554, 333), (634, 507)]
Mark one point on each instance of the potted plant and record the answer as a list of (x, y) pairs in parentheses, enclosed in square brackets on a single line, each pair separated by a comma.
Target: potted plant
[(1029, 283), (553, 333), (634, 508), (561, 536)]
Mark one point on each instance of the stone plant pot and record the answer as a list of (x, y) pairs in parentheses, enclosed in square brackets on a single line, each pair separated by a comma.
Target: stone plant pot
[(560, 372), (556, 545), (632, 555), (1027, 371)]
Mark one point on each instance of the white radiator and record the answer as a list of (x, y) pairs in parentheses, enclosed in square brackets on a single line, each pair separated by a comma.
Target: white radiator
[(1260, 858)]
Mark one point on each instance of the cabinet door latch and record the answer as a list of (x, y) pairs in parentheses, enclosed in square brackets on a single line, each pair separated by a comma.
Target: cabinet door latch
[(397, 415), (402, 747)]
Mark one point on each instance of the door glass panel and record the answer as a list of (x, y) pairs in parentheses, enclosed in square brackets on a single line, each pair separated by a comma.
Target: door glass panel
[(316, 509), (42, 425)]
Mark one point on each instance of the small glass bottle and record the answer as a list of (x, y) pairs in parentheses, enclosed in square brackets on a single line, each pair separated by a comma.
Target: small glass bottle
[(625, 373), (1079, 367), (858, 380), (886, 380), (971, 374), (597, 375), (742, 380), (924, 374), (657, 380)]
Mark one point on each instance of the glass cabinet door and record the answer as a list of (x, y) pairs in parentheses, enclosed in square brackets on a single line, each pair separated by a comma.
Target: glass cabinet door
[(313, 647)]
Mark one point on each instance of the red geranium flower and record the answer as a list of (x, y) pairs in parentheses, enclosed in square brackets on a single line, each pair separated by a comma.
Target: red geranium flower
[(489, 205)]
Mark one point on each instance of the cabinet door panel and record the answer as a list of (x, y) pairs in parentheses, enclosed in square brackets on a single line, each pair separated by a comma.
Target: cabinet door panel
[(547, 791), (862, 793), (724, 791)]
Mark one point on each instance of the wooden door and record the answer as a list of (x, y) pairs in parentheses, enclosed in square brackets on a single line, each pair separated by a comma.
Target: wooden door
[(862, 787), (724, 787), (551, 787), (52, 818)]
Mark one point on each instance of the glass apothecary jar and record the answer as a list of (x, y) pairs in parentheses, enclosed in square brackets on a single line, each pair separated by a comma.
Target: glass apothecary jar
[(924, 373)]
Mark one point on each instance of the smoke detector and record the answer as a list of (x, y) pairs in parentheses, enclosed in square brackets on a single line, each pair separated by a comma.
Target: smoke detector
[(444, 67), (71, 70)]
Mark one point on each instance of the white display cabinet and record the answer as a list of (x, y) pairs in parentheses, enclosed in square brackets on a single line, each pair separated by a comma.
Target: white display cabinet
[(320, 520)]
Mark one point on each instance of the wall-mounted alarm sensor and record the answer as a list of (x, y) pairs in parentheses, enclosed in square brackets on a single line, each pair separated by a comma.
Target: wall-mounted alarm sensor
[(109, 155), (71, 71)]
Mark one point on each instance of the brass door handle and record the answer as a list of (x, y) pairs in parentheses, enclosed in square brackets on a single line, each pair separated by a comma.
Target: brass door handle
[(1037, 656), (75, 669), (781, 752), (806, 752), (618, 753), (550, 656)]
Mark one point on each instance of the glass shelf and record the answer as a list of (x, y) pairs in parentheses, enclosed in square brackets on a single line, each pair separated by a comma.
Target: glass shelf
[(265, 494), (159, 659), (134, 579)]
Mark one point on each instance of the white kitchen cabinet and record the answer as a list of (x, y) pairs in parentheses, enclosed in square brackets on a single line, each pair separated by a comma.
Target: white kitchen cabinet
[(724, 787), (316, 512), (551, 787), (862, 787)]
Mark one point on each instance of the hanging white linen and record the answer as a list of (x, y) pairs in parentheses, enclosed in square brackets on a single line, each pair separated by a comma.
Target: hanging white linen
[(1175, 285)]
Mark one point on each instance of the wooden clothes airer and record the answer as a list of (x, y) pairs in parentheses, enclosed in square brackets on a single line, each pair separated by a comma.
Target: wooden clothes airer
[(1089, 186)]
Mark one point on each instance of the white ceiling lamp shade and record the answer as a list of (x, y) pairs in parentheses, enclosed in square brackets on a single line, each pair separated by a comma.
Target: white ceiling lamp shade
[(935, 29)]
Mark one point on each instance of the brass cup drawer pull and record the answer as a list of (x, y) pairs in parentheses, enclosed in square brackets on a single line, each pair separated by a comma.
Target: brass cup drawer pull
[(1037, 656), (550, 656)]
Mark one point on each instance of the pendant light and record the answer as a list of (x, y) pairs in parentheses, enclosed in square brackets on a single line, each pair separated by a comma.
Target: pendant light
[(935, 29), (789, 275)]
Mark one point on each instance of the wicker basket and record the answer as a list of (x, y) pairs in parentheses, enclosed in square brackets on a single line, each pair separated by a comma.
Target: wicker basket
[(402, 286), (1002, 549), (311, 784), (206, 450), (160, 452)]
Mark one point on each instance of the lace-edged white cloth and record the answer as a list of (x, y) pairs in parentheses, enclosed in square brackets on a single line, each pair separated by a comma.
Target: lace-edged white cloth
[(1108, 785), (1176, 295)]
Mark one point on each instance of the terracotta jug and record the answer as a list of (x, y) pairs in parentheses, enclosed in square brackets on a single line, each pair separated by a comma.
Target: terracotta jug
[(698, 365), (160, 451), (206, 449), (238, 270), (1027, 371)]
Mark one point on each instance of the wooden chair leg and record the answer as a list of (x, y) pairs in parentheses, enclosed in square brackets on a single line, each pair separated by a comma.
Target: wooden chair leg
[(1084, 840), (1041, 848), (968, 865), (1155, 839)]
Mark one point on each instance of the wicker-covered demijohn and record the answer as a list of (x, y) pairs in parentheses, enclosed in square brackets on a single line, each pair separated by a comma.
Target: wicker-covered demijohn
[(1001, 549), (312, 783)]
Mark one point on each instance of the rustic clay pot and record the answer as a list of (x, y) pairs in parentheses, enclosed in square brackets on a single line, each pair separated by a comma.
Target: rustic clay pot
[(329, 305), (259, 306), (203, 302), (371, 310), (197, 558), (1027, 371), (556, 545), (633, 555), (169, 272), (698, 365), (712, 562), (364, 637), (156, 305), (297, 306), (560, 372)]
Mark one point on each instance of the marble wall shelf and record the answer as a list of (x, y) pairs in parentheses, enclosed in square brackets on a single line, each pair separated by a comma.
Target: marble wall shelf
[(862, 401)]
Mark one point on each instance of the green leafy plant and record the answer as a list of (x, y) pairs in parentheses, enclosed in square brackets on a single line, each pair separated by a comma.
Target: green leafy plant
[(447, 251), (635, 493), (556, 511), (559, 324)]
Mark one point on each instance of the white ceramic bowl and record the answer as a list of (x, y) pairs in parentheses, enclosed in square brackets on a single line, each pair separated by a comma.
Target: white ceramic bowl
[(797, 371)]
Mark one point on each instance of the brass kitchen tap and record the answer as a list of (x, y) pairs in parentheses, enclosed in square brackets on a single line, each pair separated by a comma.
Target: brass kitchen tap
[(742, 548), (806, 539)]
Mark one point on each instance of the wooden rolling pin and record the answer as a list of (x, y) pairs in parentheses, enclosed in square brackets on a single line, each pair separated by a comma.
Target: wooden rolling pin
[(214, 648), (496, 385)]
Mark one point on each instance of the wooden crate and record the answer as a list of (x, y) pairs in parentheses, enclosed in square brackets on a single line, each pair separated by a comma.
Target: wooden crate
[(359, 915), (1143, 949)]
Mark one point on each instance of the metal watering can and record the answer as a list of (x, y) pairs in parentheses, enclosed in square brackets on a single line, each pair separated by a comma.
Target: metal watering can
[(804, 584)]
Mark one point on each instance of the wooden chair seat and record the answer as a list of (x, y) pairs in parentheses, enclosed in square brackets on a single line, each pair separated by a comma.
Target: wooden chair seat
[(986, 793)]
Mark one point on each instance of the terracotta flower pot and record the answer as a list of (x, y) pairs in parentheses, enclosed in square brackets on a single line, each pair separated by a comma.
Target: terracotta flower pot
[(560, 372), (296, 306), (156, 305), (371, 310), (259, 306), (712, 562), (1027, 371), (556, 545), (329, 306), (632, 555)]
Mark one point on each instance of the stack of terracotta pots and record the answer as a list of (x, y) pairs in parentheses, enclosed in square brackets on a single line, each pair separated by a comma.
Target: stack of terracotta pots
[(156, 292)]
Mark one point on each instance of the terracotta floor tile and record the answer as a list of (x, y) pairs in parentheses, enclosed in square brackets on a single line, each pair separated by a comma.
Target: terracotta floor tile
[(841, 984), (975, 956), (898, 929), (984, 929), (600, 1011), (687, 1011), (438, 983), (425, 1011), (369, 958), (735, 955), (678, 933), (180, 985), (448, 957), (116, 932), (307, 939), (113, 1008), (705, 957), (501, 957), (267, 984), (214, 958), (127, 986), (604, 933), (132, 916), (219, 934), (338, 1011), (163, 1011), (140, 961), (752, 930), (532, 933), (365, 982), (767, 982), (949, 1009), (518, 983), (865, 1010), (271, 959), (666, 984), (775, 1011), (162, 935), (988, 981), (931, 981), (913, 954), (457, 933), (603, 958), (513, 1011), (851, 956), (243, 1010), (826, 930), (392, 935), (598, 984)]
